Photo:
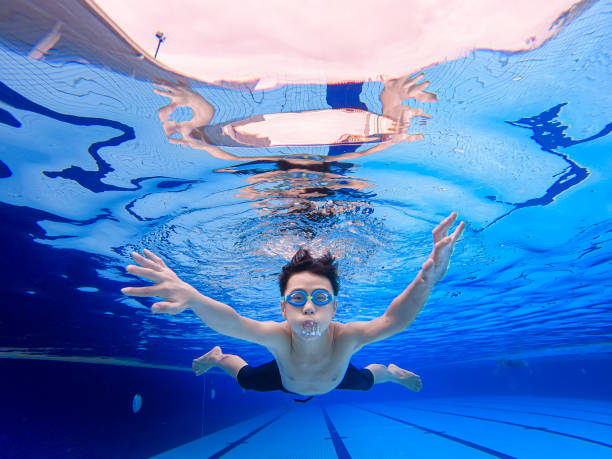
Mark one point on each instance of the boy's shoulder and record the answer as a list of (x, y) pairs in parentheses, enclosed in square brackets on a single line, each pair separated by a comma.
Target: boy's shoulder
[(360, 333), (346, 332)]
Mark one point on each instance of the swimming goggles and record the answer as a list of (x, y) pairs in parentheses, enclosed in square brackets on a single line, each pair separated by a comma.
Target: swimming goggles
[(299, 298)]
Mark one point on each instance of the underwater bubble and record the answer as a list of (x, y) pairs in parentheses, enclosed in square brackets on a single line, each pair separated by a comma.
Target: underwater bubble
[(136, 403), (212, 394), (31, 292), (88, 289)]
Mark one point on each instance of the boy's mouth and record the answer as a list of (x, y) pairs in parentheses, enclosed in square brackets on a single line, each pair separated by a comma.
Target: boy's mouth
[(310, 328)]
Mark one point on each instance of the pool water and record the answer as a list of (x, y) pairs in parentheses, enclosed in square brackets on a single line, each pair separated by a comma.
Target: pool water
[(102, 154)]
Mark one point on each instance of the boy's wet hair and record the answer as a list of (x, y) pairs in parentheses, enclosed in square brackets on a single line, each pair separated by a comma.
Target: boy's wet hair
[(303, 261)]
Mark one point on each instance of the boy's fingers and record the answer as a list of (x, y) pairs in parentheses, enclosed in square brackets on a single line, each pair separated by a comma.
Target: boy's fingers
[(163, 85), (458, 232), (171, 128), (139, 291), (422, 85), (440, 247), (428, 264), (144, 261), (448, 221), (436, 252), (147, 273), (154, 257), (180, 142), (409, 80), (163, 306), (440, 231), (165, 112)]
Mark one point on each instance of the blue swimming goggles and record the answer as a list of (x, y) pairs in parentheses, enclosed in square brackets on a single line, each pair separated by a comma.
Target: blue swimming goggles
[(299, 298)]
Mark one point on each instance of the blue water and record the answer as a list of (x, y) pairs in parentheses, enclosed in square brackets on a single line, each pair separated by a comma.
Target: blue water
[(518, 144)]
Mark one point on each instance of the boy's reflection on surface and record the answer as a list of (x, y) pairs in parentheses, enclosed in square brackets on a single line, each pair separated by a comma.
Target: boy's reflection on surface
[(306, 184)]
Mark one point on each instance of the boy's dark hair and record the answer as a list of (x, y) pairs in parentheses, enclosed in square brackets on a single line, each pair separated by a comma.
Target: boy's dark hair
[(303, 261)]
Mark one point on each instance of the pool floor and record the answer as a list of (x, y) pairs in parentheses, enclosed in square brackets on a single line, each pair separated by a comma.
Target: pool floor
[(522, 427)]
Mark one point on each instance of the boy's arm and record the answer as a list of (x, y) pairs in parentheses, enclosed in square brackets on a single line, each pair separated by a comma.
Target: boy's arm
[(404, 309), (179, 295)]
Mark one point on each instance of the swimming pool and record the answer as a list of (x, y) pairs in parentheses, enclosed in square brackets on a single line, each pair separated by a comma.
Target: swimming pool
[(101, 155)]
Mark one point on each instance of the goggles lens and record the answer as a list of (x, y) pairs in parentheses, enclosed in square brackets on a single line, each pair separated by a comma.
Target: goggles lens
[(300, 297)]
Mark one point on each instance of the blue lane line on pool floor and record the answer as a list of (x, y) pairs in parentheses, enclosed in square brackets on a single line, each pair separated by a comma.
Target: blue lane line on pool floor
[(568, 408), (242, 439), (534, 412), (339, 445), (468, 443), (499, 421)]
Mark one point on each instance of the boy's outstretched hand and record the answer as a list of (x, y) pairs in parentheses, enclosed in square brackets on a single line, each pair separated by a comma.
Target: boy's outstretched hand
[(436, 265), (176, 293)]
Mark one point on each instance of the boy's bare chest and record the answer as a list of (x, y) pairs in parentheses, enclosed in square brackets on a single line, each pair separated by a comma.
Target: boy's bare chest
[(315, 374)]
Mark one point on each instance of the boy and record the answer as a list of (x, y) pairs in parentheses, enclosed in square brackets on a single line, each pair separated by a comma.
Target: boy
[(311, 351)]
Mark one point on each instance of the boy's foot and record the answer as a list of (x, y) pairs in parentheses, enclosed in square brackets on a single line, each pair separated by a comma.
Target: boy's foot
[(405, 378), (202, 364)]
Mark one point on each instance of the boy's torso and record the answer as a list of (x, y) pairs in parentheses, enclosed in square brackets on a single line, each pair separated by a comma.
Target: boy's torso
[(318, 374)]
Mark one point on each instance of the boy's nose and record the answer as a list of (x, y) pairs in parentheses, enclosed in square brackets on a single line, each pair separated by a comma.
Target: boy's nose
[(309, 308)]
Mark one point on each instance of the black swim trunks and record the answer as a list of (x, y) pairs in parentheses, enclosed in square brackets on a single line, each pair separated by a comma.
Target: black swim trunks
[(266, 377)]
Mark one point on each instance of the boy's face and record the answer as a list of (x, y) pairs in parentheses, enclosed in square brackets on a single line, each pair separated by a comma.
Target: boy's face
[(308, 321)]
